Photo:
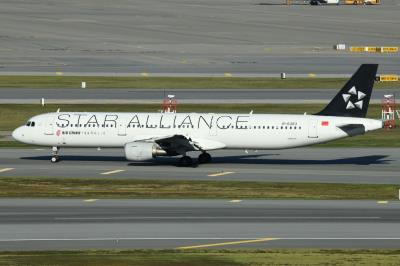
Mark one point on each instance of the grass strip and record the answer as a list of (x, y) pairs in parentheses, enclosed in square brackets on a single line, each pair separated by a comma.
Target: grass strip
[(74, 82), (297, 257), (153, 189), (14, 115), (15, 144)]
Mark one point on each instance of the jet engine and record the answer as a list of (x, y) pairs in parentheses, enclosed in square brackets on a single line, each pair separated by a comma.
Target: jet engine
[(142, 151)]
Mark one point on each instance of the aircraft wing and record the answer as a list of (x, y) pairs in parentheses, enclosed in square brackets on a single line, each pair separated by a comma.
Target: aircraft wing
[(181, 144)]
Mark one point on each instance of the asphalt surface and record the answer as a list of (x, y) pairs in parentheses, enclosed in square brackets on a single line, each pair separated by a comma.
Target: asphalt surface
[(323, 165), (37, 224), (88, 96), (179, 36)]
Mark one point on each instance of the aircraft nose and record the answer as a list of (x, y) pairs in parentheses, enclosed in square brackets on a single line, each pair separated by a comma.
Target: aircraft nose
[(17, 134)]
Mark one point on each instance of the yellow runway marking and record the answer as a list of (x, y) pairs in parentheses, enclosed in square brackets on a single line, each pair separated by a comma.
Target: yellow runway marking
[(144, 74), (230, 243), (383, 202), (221, 174), (235, 201), (6, 170), (59, 73), (228, 75), (90, 200), (112, 172)]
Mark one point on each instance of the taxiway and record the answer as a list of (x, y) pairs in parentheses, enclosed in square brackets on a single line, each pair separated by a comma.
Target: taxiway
[(36, 224), (177, 36), (323, 165)]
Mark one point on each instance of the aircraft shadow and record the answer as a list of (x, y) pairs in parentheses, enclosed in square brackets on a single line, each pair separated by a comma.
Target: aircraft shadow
[(237, 159), (255, 159), (359, 160), (83, 158)]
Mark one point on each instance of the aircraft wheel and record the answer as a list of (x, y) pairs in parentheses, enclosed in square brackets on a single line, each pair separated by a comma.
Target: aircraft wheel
[(55, 159), (185, 161), (204, 158)]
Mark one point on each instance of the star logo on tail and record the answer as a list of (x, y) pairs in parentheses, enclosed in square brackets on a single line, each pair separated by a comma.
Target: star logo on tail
[(350, 95)]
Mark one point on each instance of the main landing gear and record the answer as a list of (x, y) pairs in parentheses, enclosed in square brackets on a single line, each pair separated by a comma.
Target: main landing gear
[(185, 161), (204, 158), (54, 155), (188, 161)]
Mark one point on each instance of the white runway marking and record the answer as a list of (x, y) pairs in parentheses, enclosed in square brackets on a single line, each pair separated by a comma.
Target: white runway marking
[(90, 200), (6, 170), (112, 172), (221, 174)]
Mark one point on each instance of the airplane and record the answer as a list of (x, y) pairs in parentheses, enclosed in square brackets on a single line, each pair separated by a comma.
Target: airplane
[(145, 136)]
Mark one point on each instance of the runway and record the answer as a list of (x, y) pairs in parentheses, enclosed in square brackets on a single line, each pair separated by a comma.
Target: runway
[(118, 96), (38, 224), (179, 36), (322, 165)]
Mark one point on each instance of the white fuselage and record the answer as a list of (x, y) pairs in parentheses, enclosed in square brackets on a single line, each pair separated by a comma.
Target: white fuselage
[(216, 131)]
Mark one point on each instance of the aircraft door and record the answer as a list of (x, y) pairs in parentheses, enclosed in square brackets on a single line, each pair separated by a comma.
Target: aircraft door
[(49, 126), (214, 128), (313, 129), (122, 125)]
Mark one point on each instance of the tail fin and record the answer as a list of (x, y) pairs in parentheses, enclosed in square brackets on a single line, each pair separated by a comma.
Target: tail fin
[(353, 98)]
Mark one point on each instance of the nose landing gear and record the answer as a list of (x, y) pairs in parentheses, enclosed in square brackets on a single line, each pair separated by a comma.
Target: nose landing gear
[(54, 155)]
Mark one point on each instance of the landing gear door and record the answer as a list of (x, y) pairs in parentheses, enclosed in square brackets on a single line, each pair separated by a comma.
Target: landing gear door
[(313, 129), (50, 125)]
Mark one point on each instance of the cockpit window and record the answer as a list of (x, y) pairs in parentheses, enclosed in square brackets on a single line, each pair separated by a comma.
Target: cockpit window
[(30, 124)]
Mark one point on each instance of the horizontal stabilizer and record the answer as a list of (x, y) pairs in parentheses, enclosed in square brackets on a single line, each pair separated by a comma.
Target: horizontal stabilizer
[(353, 129)]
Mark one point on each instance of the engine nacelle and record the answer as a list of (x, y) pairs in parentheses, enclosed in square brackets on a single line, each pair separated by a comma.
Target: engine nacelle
[(142, 151)]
